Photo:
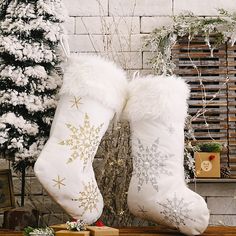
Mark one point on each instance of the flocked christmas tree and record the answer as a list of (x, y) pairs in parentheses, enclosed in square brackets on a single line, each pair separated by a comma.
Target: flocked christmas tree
[(30, 32)]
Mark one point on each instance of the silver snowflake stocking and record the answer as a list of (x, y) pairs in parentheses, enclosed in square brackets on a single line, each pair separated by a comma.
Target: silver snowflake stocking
[(93, 91), (156, 109)]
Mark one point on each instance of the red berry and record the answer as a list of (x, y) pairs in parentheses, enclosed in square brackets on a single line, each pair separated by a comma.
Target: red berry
[(211, 157), (99, 223)]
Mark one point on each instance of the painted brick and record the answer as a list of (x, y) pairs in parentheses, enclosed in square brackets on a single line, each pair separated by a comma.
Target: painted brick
[(4, 164), (42, 203), (69, 25), (146, 57), (53, 219), (215, 189), (203, 8), (140, 7), (128, 60), (107, 25), (87, 7), (105, 43), (228, 220), (125, 43), (148, 24), (87, 43), (222, 205)]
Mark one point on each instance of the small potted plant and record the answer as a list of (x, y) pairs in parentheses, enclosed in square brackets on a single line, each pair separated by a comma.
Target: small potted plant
[(29, 231), (207, 160)]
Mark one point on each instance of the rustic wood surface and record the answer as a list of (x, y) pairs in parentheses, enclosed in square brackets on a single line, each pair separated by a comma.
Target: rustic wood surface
[(156, 231)]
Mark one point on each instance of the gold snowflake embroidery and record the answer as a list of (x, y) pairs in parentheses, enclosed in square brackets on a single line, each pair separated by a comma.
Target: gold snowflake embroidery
[(88, 198), (142, 212), (59, 182), (83, 141), (76, 102)]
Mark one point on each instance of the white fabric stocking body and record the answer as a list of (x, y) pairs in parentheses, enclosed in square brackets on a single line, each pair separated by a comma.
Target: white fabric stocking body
[(157, 189), (64, 166)]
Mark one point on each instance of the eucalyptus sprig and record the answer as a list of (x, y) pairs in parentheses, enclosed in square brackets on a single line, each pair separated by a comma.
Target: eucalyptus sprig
[(29, 231), (161, 40)]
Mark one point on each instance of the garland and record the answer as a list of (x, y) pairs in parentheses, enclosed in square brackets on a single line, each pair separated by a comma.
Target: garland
[(161, 40)]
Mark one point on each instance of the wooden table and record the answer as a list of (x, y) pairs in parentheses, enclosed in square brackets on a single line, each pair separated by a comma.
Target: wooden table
[(155, 231)]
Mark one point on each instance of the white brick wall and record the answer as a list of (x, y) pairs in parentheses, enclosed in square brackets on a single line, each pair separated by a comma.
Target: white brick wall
[(102, 26), (140, 7), (87, 7), (148, 24), (107, 25), (205, 7)]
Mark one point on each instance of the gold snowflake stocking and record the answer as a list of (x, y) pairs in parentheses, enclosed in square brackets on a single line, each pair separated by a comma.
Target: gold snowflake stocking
[(88, 103), (156, 110)]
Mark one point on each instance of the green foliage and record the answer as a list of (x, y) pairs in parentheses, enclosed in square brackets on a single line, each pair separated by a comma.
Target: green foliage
[(210, 147), (162, 40), (27, 231)]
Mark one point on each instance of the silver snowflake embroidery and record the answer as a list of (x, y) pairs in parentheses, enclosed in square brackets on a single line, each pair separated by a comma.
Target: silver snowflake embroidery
[(175, 211), (149, 164), (88, 198)]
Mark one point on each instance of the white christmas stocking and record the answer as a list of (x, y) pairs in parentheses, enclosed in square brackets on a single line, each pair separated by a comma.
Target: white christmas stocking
[(93, 91), (156, 109)]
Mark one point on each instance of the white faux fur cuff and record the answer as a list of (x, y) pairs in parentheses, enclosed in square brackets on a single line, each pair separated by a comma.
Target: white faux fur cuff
[(97, 78), (154, 96)]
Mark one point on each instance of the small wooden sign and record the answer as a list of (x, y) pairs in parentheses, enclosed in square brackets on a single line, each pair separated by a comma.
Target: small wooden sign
[(102, 231), (72, 233), (207, 164)]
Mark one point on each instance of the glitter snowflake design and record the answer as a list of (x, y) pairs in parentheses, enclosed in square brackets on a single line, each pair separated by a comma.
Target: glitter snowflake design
[(88, 198), (149, 164), (141, 211), (76, 102), (176, 211), (83, 141)]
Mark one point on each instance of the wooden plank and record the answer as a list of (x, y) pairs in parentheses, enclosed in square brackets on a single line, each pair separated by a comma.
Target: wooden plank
[(206, 79), (202, 71), (209, 87), (210, 63), (154, 231), (211, 127), (198, 55), (211, 95), (212, 111), (10, 232), (232, 159), (200, 46), (212, 104)]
